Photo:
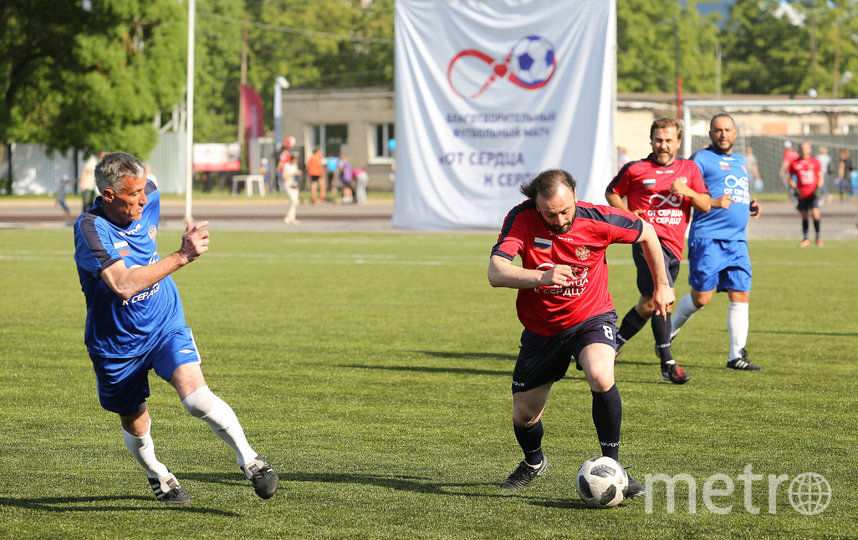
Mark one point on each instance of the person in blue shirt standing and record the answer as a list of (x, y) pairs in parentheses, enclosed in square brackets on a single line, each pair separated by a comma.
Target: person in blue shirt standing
[(718, 254), (135, 322)]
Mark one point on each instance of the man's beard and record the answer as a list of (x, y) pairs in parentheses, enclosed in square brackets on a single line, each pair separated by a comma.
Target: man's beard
[(563, 229)]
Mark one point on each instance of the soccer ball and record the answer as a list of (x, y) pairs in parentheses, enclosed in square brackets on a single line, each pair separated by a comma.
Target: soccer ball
[(600, 482), (532, 61)]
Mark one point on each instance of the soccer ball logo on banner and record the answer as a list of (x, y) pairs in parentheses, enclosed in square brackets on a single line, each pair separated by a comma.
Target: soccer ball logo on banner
[(529, 64)]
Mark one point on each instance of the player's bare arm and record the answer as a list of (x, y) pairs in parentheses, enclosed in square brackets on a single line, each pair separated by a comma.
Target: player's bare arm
[(724, 201), (126, 282), (502, 273), (701, 202), (617, 202), (663, 296)]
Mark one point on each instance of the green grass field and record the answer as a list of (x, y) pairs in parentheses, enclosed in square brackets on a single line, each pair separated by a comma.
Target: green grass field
[(373, 371)]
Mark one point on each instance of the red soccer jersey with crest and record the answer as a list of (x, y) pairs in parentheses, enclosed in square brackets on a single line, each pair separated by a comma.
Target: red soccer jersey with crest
[(547, 311), (806, 173), (646, 186)]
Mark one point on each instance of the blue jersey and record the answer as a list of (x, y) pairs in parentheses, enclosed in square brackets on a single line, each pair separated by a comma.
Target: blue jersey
[(724, 174), (117, 328)]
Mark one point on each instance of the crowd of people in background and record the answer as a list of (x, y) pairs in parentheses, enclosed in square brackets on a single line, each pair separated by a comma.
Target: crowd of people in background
[(327, 177)]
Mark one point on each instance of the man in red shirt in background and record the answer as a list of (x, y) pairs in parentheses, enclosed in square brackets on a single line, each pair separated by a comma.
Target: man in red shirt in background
[(662, 190), (789, 156), (805, 178), (565, 308)]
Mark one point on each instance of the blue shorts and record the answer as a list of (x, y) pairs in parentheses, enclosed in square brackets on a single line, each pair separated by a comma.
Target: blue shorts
[(123, 383), (645, 284), (724, 264), (544, 359)]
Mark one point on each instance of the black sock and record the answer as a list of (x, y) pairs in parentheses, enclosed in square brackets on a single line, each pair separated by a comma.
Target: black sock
[(804, 228), (607, 417), (530, 440), (661, 333), (816, 227), (631, 325)]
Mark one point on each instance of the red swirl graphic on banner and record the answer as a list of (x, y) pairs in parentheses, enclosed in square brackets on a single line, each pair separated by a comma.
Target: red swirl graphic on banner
[(530, 64)]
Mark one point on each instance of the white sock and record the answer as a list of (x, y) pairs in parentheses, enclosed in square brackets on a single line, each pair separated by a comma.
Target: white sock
[(143, 450), (683, 311), (737, 325), (205, 405)]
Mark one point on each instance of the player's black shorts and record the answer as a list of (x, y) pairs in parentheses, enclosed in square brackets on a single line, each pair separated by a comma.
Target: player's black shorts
[(807, 204), (544, 359), (645, 283)]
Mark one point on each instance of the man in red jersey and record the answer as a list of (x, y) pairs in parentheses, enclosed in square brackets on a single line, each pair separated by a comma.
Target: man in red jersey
[(789, 156), (805, 178), (662, 190), (564, 305)]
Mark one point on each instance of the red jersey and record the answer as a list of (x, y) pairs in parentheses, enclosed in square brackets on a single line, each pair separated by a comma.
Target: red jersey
[(806, 173), (548, 310), (646, 186)]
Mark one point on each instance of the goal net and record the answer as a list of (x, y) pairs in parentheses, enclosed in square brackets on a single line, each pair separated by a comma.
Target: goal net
[(830, 126)]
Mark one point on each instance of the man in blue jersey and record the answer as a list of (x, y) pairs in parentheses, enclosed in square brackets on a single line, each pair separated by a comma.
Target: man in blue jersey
[(717, 244), (135, 322)]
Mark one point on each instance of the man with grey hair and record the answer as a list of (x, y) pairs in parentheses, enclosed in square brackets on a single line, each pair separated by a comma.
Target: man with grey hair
[(135, 322)]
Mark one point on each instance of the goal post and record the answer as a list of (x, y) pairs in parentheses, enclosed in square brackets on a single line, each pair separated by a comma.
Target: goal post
[(829, 125)]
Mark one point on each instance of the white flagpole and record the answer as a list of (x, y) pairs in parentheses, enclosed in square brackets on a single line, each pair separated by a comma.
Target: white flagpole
[(189, 128)]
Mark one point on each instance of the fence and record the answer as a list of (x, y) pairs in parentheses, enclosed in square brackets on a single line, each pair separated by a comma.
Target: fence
[(37, 171)]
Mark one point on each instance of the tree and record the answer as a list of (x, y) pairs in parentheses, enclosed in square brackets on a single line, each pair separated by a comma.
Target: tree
[(217, 59), (788, 48), (89, 78), (652, 37)]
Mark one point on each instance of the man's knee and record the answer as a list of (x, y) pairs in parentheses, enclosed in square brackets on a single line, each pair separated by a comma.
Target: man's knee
[(700, 298), (200, 402), (645, 307), (137, 424)]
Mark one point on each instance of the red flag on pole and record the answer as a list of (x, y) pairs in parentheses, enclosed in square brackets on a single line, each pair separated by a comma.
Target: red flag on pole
[(253, 112)]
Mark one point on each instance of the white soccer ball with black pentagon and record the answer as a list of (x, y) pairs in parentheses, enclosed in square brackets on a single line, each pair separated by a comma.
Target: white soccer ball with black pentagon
[(532, 61), (600, 482)]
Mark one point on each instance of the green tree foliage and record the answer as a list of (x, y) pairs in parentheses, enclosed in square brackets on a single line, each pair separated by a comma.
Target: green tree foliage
[(217, 69), (653, 36), (776, 48), (89, 78), (315, 44)]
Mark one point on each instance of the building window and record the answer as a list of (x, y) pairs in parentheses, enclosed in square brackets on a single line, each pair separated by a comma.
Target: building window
[(382, 135), (331, 138)]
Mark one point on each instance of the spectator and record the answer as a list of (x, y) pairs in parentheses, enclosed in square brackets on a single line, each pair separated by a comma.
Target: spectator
[(346, 178), (290, 174), (789, 156), (361, 179), (752, 168), (844, 170), (88, 190), (61, 198), (315, 171)]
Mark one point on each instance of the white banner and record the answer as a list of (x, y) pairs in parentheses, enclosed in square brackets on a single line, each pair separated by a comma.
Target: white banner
[(492, 92)]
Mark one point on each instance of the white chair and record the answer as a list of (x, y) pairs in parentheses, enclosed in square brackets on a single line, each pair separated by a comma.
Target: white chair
[(249, 181)]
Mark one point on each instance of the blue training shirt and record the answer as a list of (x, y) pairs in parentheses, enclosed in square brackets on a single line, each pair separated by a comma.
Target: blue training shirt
[(117, 328), (724, 175)]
